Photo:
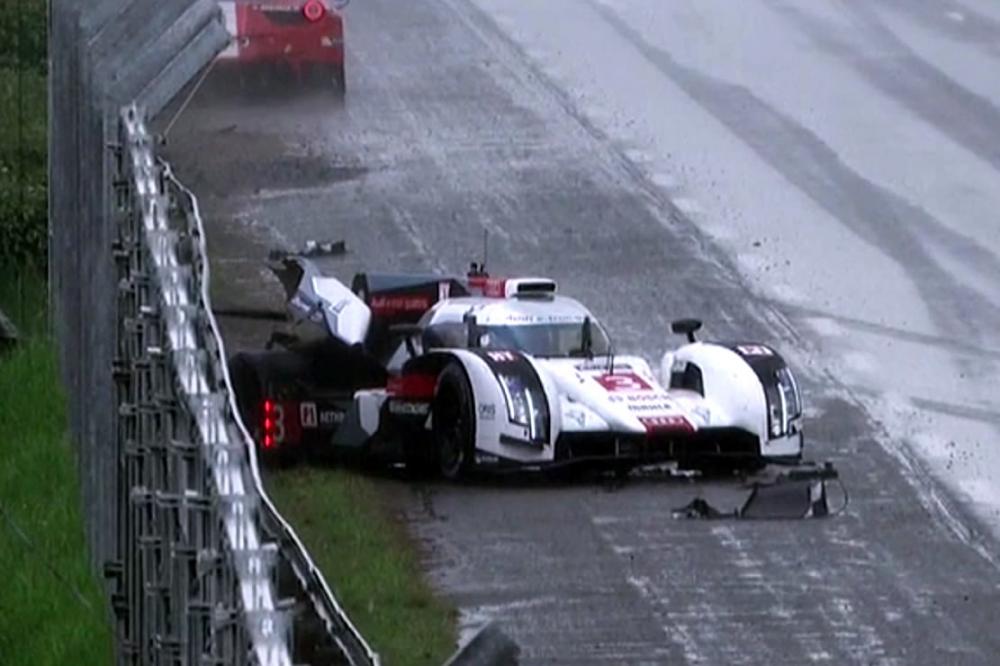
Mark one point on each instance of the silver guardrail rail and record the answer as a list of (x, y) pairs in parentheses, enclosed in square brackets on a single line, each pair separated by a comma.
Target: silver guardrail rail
[(203, 543)]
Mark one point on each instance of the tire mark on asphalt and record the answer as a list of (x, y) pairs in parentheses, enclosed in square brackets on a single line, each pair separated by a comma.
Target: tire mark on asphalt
[(969, 119), (533, 545), (875, 214), (618, 167), (955, 345), (974, 28)]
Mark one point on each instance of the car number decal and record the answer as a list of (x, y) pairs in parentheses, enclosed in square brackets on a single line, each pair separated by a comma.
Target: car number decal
[(623, 382), (754, 350)]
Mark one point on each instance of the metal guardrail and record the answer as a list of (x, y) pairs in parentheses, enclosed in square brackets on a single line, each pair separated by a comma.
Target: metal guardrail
[(203, 570), (334, 617), (204, 547)]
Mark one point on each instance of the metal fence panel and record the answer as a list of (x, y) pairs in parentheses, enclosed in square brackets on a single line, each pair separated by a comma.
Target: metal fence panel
[(202, 568)]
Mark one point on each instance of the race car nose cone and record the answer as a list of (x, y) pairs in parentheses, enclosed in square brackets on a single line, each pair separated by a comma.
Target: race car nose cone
[(314, 10)]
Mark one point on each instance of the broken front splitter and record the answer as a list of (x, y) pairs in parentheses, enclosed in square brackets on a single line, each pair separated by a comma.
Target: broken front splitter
[(778, 492)]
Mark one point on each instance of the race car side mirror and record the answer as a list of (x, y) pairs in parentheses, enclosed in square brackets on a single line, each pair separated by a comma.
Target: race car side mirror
[(685, 327)]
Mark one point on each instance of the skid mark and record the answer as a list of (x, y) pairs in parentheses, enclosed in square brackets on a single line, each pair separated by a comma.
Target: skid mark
[(882, 218), (969, 119), (960, 23)]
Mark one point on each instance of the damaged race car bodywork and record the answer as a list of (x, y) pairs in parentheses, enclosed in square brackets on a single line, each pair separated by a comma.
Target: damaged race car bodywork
[(449, 374)]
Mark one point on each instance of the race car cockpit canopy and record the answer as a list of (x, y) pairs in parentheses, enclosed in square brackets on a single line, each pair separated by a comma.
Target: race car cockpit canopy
[(550, 326)]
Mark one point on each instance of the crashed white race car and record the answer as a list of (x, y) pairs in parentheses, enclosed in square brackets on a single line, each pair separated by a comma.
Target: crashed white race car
[(452, 374)]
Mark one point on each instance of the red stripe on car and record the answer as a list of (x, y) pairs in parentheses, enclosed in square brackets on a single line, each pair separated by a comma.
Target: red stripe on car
[(412, 387), (671, 423), (488, 286)]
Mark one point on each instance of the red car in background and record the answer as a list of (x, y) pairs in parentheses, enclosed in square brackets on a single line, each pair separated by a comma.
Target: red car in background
[(304, 37)]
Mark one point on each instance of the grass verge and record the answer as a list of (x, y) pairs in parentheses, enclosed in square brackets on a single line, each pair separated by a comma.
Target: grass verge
[(369, 560), (23, 165), (51, 608)]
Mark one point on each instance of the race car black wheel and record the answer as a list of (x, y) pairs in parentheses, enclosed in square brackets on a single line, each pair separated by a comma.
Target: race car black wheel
[(454, 427)]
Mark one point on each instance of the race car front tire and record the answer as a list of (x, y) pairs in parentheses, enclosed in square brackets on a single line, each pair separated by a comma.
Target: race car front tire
[(454, 428)]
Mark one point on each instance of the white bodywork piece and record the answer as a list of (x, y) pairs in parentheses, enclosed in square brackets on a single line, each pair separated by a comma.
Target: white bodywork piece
[(347, 316)]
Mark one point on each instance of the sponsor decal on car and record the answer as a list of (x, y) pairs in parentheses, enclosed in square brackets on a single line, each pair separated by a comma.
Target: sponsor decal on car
[(658, 406), (509, 318), (331, 417), (383, 304), (408, 408), (651, 401), (601, 365), (672, 422), (487, 411), (489, 287), (623, 382), (308, 415), (311, 416)]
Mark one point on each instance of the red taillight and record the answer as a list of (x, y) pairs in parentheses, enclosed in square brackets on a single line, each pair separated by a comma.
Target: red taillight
[(314, 10), (268, 424), (279, 424)]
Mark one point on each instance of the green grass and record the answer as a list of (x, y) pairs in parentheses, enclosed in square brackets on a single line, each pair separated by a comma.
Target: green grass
[(41, 619), (21, 292), (369, 560), (23, 149)]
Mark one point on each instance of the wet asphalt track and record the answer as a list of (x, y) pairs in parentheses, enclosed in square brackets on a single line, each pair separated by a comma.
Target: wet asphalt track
[(449, 131)]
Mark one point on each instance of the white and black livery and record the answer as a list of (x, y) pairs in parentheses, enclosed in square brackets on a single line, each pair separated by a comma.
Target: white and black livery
[(453, 373)]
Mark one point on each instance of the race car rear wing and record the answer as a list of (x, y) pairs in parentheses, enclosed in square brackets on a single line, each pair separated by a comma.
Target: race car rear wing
[(396, 299)]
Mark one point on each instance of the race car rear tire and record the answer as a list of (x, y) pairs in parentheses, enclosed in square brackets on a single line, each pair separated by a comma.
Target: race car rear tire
[(454, 428)]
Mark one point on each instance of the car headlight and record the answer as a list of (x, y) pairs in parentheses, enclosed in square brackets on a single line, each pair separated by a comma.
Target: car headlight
[(517, 400), (523, 405), (789, 394), (783, 403)]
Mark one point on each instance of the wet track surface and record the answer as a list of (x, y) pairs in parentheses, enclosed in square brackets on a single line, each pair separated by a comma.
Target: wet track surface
[(449, 130)]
